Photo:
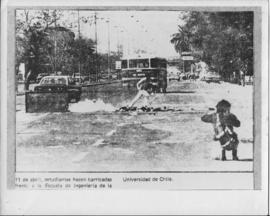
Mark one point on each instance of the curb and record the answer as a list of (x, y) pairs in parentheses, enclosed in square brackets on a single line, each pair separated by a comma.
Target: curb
[(102, 83)]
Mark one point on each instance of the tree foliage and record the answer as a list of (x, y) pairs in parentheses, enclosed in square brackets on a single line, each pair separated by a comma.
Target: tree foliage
[(83, 56), (226, 39), (45, 42), (33, 29)]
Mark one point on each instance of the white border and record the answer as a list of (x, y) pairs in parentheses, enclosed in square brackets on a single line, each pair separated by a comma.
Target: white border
[(140, 201)]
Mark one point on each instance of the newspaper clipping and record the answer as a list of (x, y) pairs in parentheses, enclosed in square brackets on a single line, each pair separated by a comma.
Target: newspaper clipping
[(134, 97)]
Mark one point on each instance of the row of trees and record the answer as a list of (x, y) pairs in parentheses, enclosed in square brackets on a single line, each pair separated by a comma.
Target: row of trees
[(226, 39), (46, 43)]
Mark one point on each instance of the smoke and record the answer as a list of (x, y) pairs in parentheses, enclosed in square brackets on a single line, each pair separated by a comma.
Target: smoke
[(88, 106)]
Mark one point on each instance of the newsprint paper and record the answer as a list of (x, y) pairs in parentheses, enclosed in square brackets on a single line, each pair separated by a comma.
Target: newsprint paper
[(137, 107)]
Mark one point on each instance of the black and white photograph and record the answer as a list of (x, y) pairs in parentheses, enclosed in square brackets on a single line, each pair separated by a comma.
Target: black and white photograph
[(153, 97), (134, 90)]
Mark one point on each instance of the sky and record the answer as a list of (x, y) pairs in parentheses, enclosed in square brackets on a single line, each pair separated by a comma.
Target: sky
[(145, 30)]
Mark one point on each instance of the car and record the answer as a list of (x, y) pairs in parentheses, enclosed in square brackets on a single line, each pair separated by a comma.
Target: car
[(211, 76), (173, 76), (40, 76), (182, 76), (60, 84), (78, 80)]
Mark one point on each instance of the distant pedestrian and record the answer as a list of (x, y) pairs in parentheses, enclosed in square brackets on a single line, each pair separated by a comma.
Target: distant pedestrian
[(145, 89), (192, 76), (234, 77), (224, 121), (242, 77)]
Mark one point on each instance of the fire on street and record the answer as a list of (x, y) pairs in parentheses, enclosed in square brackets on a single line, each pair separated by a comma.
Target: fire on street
[(104, 140)]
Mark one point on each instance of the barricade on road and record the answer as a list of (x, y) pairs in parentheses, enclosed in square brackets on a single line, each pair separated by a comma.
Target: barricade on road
[(46, 102)]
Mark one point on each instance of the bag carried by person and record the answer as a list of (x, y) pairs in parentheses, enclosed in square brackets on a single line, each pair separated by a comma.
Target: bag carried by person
[(227, 138)]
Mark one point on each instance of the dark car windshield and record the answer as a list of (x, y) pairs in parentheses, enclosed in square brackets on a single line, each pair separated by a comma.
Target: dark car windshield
[(54, 80)]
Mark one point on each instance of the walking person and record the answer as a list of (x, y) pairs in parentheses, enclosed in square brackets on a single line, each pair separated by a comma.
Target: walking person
[(192, 72), (242, 77), (224, 121)]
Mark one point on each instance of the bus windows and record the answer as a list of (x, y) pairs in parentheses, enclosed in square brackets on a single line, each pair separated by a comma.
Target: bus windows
[(154, 63), (124, 64), (132, 63), (139, 63), (143, 63)]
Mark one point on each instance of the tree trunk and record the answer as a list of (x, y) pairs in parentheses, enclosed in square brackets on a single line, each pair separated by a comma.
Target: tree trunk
[(27, 75)]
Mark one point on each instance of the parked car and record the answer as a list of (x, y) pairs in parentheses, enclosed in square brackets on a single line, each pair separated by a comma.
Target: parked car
[(60, 84), (78, 80), (211, 76), (40, 76)]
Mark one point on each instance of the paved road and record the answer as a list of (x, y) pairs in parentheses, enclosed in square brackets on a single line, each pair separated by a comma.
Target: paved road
[(110, 141)]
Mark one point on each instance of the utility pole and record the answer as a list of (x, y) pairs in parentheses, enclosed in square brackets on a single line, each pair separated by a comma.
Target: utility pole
[(79, 37), (55, 43), (109, 62), (117, 37), (117, 42), (96, 46)]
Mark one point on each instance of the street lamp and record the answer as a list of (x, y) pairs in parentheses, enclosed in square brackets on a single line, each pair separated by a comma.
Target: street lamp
[(109, 62), (97, 66), (79, 37), (127, 40)]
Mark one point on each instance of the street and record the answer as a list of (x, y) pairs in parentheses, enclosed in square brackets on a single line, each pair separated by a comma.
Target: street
[(94, 137)]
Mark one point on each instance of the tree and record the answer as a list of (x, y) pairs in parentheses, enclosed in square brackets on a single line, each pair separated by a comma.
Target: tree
[(31, 27), (226, 39), (58, 44), (181, 40), (83, 58), (46, 43)]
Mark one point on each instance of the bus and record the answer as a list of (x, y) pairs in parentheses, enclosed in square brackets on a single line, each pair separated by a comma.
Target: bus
[(134, 69)]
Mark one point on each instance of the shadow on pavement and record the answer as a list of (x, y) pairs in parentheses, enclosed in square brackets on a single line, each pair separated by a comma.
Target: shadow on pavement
[(181, 92), (244, 159)]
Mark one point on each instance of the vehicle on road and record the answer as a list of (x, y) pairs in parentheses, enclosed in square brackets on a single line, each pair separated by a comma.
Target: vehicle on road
[(135, 68), (211, 76), (174, 76), (56, 84), (40, 76), (173, 73), (79, 78)]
